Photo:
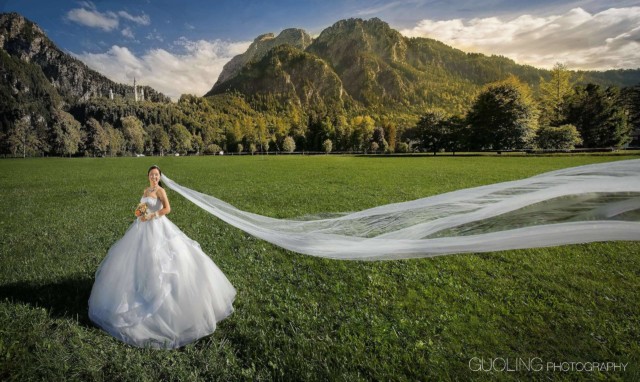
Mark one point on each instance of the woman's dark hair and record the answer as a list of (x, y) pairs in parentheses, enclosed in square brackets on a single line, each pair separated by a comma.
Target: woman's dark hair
[(160, 171)]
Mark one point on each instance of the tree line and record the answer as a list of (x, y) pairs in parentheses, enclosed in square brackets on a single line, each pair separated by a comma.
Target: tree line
[(505, 115)]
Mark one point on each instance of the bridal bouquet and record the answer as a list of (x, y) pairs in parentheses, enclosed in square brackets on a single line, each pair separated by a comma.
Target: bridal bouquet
[(141, 210)]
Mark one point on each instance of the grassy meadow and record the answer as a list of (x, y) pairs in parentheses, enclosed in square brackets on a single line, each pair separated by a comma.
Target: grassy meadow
[(298, 317)]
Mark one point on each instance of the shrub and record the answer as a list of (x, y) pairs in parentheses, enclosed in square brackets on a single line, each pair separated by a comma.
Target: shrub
[(289, 145), (212, 149), (564, 137), (402, 147), (327, 146)]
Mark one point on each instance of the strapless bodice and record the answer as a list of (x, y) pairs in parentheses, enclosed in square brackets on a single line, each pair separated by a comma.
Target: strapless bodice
[(154, 204)]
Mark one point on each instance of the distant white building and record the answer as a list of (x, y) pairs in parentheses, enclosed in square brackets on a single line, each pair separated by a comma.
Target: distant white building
[(137, 96), (135, 90)]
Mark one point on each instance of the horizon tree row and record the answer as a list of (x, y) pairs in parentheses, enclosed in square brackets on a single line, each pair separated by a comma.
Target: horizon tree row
[(505, 115)]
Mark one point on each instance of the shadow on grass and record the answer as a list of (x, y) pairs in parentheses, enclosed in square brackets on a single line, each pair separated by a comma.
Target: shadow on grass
[(64, 299)]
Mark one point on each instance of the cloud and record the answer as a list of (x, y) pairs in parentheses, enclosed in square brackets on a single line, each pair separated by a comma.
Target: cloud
[(154, 35), (89, 15), (609, 39), (193, 70), (375, 9), (142, 20), (127, 32), (92, 18)]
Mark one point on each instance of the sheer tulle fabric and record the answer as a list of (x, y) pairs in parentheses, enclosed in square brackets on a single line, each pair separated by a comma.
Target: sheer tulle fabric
[(599, 202), (157, 288)]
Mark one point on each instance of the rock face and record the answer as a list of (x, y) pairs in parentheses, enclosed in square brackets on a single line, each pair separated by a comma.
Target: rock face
[(259, 48), (72, 79), (290, 75), (367, 55)]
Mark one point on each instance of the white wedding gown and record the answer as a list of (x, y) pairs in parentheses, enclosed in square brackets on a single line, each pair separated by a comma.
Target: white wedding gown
[(157, 288)]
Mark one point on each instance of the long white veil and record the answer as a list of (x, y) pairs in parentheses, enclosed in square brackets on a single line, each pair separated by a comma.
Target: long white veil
[(599, 202)]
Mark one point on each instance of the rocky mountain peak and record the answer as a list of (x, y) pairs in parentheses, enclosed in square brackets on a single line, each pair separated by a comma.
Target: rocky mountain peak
[(264, 37), (260, 46), (21, 37)]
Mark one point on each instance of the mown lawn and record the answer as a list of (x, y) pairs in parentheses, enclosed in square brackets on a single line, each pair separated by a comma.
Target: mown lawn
[(299, 317)]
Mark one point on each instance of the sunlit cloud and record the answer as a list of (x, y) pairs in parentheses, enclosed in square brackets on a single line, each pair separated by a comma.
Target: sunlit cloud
[(606, 40), (193, 70)]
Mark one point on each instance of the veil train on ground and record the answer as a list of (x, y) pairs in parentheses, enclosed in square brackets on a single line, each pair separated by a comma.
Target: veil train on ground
[(598, 202)]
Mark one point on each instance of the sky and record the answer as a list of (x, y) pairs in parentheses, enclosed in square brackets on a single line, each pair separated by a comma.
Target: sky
[(180, 47)]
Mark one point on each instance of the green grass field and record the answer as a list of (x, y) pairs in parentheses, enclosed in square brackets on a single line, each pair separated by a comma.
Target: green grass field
[(298, 317)]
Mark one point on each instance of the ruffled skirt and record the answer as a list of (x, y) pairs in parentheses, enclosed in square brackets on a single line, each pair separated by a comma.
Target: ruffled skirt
[(157, 288)]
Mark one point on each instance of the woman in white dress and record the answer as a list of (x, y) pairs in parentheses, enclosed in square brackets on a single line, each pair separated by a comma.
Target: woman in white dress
[(156, 287)]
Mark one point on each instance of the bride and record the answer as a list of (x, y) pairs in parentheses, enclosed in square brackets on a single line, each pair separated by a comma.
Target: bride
[(156, 287)]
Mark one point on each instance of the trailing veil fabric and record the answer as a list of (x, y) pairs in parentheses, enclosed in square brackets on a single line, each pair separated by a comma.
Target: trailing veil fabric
[(599, 202)]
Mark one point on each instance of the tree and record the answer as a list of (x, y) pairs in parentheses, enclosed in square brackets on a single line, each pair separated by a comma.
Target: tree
[(327, 146), (631, 97), (554, 96), (342, 133), (565, 137), (378, 135), (327, 128), (133, 134), (598, 114), (458, 133), (503, 117), (438, 132), (66, 133), (159, 139), (432, 131), (262, 134), (390, 132), (22, 138), (197, 144), (97, 137), (362, 131), (117, 143), (180, 138), (289, 145)]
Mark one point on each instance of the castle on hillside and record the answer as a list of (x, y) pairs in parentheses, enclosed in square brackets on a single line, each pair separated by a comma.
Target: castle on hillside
[(138, 95)]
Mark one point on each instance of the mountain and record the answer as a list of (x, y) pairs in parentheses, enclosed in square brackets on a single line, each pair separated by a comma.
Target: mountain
[(37, 76), (290, 75), (259, 48), (385, 72)]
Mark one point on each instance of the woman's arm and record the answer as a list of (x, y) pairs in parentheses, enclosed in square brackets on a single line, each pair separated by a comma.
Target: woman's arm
[(166, 207)]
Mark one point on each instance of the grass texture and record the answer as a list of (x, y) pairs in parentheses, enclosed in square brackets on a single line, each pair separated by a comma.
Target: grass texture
[(298, 317)]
